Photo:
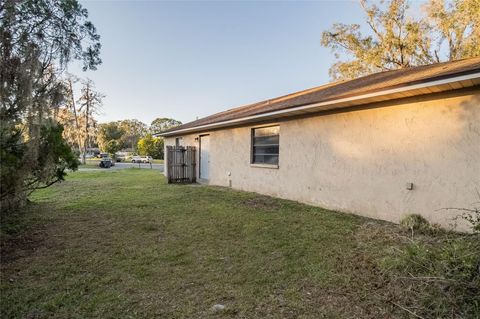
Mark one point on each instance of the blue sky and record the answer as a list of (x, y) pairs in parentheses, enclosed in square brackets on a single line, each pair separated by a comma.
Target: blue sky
[(191, 59)]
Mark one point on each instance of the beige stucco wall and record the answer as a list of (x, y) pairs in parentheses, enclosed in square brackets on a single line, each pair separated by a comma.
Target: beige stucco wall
[(360, 161)]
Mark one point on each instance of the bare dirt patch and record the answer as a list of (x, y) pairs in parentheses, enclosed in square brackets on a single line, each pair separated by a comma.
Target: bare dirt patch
[(262, 202)]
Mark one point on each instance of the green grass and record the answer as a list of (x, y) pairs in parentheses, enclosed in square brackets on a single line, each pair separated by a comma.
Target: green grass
[(124, 244)]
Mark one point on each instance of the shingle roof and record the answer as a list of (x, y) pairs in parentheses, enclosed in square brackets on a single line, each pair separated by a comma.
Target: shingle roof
[(343, 89)]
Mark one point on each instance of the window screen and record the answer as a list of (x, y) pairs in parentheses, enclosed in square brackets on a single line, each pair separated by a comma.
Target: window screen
[(265, 141)]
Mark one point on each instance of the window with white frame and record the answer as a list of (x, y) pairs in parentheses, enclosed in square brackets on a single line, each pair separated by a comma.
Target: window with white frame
[(265, 145)]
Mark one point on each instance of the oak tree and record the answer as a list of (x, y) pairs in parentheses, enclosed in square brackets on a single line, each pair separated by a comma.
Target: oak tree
[(397, 39)]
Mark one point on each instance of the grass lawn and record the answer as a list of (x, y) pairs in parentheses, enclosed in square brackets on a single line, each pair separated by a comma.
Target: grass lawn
[(124, 244), (90, 164)]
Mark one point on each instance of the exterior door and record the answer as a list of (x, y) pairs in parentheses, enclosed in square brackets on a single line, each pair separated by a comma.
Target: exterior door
[(205, 157)]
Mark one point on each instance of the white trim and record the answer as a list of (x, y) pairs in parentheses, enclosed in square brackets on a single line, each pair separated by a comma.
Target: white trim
[(310, 106), (265, 165)]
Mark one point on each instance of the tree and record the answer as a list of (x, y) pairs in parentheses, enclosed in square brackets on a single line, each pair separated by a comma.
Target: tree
[(457, 25), (110, 131), (73, 119), (163, 123), (134, 130), (152, 146), (398, 40), (112, 147), (73, 125), (37, 41), (90, 104), (67, 118), (54, 156), (74, 129)]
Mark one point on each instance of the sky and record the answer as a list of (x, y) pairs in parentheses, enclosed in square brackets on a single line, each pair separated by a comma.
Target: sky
[(185, 60)]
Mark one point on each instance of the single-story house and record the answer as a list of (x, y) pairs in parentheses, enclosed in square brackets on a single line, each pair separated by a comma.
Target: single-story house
[(382, 146)]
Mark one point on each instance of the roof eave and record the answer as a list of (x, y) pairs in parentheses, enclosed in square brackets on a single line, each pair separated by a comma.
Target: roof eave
[(440, 85)]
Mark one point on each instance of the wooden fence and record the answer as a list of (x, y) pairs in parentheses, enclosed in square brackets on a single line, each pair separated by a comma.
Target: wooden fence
[(181, 165)]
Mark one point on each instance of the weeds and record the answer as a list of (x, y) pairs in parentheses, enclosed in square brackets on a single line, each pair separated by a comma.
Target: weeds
[(441, 273)]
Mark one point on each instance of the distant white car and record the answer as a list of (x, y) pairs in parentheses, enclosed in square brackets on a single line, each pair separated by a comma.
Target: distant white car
[(141, 159), (136, 159)]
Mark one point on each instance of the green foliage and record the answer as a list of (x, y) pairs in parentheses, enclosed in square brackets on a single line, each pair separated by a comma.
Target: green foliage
[(12, 156), (24, 170), (54, 154), (125, 133), (152, 146), (133, 135), (111, 131), (112, 147), (162, 124), (49, 31), (134, 130), (38, 40), (398, 39)]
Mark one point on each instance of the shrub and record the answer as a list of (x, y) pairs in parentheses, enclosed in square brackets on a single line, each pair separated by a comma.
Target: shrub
[(32, 164), (417, 224)]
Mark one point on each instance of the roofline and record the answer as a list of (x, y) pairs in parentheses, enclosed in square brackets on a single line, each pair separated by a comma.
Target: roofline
[(314, 105)]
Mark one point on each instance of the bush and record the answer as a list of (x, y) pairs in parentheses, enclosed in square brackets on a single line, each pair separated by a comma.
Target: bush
[(417, 224), (31, 164)]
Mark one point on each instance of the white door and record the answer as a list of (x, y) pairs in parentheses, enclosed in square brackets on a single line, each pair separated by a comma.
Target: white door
[(204, 156)]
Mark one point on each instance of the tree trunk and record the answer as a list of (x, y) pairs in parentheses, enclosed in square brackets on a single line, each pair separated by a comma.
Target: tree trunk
[(74, 109), (87, 111)]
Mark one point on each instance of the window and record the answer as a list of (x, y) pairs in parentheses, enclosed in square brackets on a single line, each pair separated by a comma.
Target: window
[(265, 141)]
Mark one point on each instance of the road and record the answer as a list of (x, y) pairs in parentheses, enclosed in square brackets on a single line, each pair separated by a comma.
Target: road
[(122, 165)]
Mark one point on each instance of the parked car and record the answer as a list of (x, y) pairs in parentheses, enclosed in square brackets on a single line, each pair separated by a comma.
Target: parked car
[(106, 162), (147, 159), (136, 159), (141, 159)]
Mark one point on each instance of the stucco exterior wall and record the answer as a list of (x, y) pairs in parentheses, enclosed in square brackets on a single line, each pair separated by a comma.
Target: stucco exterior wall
[(361, 161)]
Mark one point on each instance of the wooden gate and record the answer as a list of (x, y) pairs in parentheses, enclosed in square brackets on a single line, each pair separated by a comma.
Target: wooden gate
[(181, 166)]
